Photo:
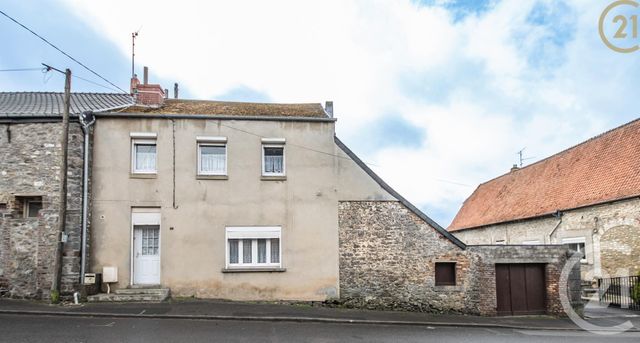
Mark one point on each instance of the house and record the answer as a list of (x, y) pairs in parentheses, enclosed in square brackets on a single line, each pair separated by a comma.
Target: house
[(30, 155), (258, 201), (587, 196)]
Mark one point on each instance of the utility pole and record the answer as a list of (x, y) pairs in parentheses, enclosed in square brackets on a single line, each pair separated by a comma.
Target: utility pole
[(62, 213)]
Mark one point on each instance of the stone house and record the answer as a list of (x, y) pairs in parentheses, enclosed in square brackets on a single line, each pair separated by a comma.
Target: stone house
[(253, 201), (587, 196), (30, 154)]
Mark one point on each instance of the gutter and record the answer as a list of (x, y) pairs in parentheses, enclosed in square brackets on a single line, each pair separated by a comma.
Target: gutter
[(126, 115)]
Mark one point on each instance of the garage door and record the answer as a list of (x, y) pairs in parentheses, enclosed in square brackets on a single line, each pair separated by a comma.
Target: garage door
[(520, 289)]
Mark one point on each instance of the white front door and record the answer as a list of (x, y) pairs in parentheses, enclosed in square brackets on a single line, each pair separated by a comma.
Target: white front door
[(146, 254)]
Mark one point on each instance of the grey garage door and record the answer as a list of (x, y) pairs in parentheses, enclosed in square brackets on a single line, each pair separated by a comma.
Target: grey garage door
[(520, 289)]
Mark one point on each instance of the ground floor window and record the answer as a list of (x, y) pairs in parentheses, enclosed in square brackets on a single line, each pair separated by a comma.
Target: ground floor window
[(445, 273), (577, 244), (253, 247)]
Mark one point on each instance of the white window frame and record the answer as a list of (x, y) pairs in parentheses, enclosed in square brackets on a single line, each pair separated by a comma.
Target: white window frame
[(531, 242), (143, 138), (214, 142), (274, 143), (578, 240), (254, 233), (501, 242)]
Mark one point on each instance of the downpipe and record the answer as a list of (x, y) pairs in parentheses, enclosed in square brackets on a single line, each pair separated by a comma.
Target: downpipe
[(86, 120)]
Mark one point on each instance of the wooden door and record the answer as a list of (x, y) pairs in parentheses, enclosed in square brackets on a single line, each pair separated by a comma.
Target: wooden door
[(520, 289)]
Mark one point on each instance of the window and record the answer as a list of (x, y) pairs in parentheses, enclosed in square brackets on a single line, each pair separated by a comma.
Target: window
[(501, 242), (445, 273), (534, 242), (253, 247), (3, 207), (212, 155), (577, 244), (143, 153), (273, 160), (28, 206)]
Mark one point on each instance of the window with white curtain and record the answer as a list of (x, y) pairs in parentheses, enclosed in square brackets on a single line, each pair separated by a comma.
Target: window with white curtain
[(273, 161), (253, 247), (212, 159), (144, 156), (577, 244)]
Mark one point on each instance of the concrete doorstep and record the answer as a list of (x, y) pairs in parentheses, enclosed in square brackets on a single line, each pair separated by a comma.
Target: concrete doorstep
[(275, 312)]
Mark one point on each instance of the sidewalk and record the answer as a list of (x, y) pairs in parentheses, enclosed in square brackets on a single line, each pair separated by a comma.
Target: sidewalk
[(246, 311)]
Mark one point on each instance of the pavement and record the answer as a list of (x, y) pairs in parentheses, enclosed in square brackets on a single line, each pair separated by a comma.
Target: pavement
[(219, 310)]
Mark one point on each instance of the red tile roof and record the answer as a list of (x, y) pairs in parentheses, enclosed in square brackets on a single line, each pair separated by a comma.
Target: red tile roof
[(602, 169)]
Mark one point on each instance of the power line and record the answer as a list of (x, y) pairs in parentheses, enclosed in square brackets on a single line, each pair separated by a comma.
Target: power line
[(62, 52), (20, 69)]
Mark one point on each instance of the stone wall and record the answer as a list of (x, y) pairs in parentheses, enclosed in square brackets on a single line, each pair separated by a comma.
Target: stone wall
[(604, 256), (388, 256), (30, 155)]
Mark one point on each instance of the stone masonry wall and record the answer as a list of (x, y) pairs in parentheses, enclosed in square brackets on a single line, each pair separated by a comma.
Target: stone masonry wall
[(30, 158), (388, 256), (615, 253)]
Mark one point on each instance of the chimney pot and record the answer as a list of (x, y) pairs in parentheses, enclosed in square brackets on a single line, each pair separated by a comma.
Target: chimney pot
[(514, 168), (166, 93), (145, 76), (328, 107), (175, 90)]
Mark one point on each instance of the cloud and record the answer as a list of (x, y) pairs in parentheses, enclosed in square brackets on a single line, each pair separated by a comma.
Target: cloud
[(470, 85)]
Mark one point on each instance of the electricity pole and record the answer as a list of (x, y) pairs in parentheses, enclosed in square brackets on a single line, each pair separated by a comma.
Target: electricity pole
[(62, 213)]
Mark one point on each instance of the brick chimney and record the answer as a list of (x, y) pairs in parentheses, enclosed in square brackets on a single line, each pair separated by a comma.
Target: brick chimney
[(514, 168), (146, 93)]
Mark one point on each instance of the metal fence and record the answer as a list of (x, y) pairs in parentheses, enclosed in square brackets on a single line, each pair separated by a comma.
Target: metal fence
[(623, 292)]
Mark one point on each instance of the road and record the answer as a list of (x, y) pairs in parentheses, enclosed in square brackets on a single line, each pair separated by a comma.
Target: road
[(28, 328)]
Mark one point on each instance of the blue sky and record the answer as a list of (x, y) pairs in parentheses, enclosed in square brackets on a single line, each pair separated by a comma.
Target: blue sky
[(438, 95)]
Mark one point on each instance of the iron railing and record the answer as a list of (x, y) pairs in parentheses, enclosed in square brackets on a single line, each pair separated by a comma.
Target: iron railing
[(623, 292)]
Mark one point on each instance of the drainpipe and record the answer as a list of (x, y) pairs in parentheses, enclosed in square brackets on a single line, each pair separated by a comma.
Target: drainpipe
[(558, 215), (86, 119)]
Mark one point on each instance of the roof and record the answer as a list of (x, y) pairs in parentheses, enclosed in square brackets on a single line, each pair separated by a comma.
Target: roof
[(51, 104), (397, 195), (183, 106), (602, 169)]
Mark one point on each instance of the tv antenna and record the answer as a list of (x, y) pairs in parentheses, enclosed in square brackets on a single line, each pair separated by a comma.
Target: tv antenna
[(521, 157), (133, 51)]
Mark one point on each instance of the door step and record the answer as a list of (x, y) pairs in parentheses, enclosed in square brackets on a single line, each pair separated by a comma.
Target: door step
[(132, 295)]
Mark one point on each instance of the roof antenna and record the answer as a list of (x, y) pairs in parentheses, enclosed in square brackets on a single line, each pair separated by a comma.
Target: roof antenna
[(133, 51), (521, 158)]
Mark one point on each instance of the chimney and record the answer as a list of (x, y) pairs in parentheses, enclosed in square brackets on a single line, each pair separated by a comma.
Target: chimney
[(514, 168), (148, 94), (175, 90), (134, 84), (145, 75), (166, 93), (328, 107)]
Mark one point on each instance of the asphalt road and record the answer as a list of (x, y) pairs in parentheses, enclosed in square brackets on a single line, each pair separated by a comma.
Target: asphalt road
[(23, 328)]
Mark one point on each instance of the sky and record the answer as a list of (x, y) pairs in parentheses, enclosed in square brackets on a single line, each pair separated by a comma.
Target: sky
[(436, 96)]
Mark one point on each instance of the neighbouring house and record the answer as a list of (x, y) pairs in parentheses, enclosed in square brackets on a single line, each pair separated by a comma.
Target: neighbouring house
[(257, 201), (587, 196), (30, 156)]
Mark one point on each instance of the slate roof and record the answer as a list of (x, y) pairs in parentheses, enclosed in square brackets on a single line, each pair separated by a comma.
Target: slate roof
[(602, 169), (183, 106), (50, 104)]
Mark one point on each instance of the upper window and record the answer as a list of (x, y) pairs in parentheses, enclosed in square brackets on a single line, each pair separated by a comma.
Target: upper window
[(445, 273), (577, 244), (253, 247), (212, 155), (273, 158), (143, 153)]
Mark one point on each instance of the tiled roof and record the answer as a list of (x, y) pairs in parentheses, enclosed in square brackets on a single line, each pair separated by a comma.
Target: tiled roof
[(50, 104), (602, 169), (182, 106)]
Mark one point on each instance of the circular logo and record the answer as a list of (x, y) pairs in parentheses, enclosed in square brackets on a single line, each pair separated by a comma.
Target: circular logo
[(626, 29)]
